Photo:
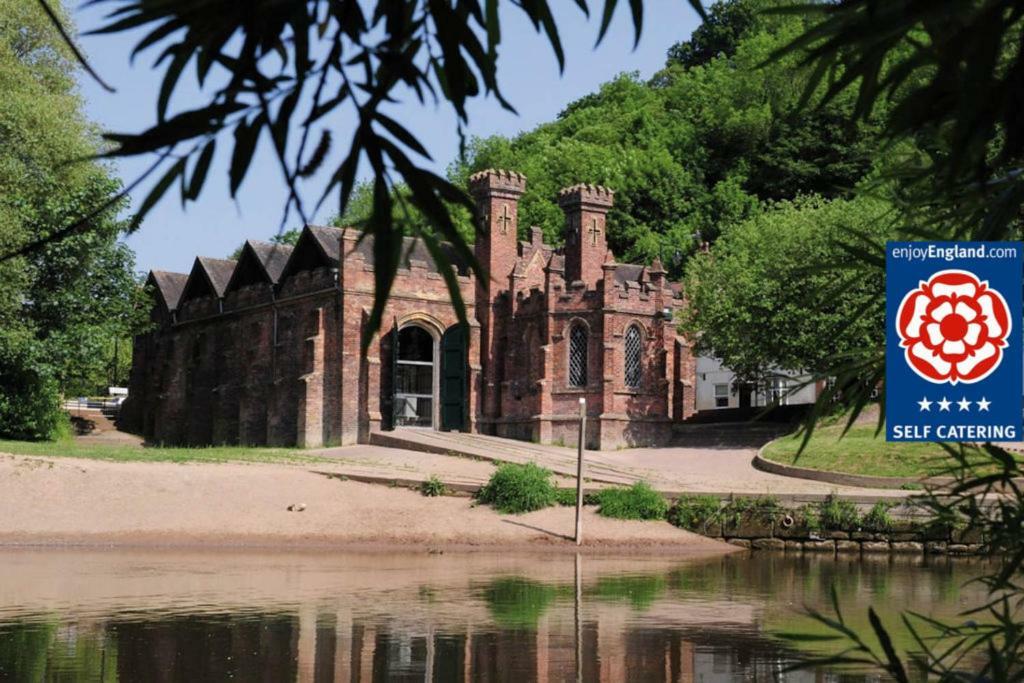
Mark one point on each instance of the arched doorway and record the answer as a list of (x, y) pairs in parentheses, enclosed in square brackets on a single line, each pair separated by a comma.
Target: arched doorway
[(415, 377)]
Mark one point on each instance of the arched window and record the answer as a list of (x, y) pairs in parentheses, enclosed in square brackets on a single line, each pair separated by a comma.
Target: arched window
[(632, 356), (578, 356)]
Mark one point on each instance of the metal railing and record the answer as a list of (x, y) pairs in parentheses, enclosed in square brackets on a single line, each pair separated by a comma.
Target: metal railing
[(84, 403)]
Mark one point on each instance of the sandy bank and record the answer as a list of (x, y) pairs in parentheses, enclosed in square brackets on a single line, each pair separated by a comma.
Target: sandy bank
[(64, 501)]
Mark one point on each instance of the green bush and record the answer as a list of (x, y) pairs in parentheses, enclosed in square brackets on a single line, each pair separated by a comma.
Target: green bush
[(763, 509), (811, 516), (694, 512), (519, 488), (838, 514), (878, 517), (30, 406), (433, 487), (639, 501)]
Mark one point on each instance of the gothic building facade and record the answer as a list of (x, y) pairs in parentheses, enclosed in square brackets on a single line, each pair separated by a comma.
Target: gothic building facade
[(266, 350)]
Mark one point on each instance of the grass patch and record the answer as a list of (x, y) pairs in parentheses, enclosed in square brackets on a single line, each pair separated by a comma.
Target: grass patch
[(836, 514), (639, 501), (519, 488), (695, 512), (433, 487), (69, 448), (860, 452)]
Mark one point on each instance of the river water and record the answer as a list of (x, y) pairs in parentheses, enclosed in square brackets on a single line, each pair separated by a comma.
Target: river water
[(113, 615)]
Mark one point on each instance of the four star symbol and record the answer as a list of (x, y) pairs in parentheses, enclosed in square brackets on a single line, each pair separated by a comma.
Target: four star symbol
[(944, 405)]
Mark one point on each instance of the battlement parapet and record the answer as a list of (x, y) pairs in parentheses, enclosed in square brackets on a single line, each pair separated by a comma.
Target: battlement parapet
[(497, 181), (586, 195)]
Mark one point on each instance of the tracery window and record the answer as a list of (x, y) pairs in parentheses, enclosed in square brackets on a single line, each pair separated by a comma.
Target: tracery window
[(578, 356), (633, 356)]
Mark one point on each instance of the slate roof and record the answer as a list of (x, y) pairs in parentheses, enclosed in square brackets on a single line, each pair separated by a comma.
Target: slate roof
[(628, 272), (413, 249), (170, 285), (329, 239), (219, 271), (272, 256)]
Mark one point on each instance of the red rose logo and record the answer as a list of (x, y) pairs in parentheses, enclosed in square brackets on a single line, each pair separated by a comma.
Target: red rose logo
[(954, 328)]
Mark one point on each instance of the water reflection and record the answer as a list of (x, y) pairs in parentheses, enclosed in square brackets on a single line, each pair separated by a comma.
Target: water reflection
[(324, 617)]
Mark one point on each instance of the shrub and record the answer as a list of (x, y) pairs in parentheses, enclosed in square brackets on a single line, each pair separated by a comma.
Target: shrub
[(694, 512), (639, 501), (433, 487), (30, 407), (811, 516), (878, 517), (519, 488), (838, 514), (763, 509)]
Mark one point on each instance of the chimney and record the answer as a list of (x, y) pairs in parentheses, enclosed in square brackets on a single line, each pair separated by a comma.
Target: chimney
[(497, 195), (586, 244)]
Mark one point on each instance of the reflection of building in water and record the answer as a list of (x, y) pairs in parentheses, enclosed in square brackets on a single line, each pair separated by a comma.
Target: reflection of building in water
[(332, 646), (283, 617)]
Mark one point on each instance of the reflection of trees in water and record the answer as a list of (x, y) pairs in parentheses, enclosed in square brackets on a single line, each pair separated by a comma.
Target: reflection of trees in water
[(35, 650)]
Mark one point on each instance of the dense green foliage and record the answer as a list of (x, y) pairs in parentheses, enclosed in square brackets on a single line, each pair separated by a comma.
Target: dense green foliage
[(775, 292), (838, 514), (67, 310), (704, 145), (517, 488), (639, 501)]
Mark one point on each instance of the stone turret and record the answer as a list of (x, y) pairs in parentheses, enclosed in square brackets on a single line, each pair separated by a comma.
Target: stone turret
[(586, 243)]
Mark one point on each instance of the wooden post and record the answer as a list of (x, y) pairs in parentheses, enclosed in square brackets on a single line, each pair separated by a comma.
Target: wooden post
[(579, 471)]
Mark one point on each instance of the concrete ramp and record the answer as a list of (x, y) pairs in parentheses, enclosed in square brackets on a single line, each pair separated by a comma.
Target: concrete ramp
[(561, 461)]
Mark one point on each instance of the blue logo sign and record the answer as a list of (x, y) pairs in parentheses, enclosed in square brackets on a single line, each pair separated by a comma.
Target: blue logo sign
[(953, 341)]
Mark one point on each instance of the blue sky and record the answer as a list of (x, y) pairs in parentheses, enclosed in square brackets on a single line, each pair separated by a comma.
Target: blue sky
[(172, 236)]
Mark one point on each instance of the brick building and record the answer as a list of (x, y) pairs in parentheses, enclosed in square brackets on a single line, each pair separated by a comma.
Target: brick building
[(266, 350)]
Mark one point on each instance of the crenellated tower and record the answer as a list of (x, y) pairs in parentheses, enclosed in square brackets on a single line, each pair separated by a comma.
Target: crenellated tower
[(586, 241)]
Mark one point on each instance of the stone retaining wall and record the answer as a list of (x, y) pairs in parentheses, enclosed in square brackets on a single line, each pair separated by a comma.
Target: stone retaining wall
[(772, 536)]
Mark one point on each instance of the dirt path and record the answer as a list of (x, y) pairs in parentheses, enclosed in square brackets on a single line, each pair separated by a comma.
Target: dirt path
[(88, 502)]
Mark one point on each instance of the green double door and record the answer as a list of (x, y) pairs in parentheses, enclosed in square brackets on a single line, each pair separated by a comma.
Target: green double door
[(453, 378)]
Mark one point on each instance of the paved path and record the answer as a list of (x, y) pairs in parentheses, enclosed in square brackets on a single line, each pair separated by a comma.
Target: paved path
[(673, 470)]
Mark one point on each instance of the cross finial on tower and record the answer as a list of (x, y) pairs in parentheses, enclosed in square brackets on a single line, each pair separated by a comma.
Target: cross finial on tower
[(504, 220)]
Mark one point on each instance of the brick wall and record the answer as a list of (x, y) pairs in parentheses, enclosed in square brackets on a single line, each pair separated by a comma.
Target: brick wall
[(281, 363)]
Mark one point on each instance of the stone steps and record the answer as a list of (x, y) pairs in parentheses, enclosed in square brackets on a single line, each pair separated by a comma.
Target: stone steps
[(561, 461)]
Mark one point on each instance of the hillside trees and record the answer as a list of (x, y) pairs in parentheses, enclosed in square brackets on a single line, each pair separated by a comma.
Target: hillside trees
[(63, 309), (706, 144)]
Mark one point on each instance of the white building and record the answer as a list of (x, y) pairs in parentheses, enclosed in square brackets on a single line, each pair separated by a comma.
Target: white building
[(717, 388)]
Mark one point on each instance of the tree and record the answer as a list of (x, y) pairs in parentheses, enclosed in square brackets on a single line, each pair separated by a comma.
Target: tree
[(62, 306), (719, 35), (772, 294)]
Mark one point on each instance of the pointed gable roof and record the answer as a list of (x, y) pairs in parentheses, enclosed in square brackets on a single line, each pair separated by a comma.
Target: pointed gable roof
[(209, 277), (168, 286), (317, 247), (329, 240), (259, 261)]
